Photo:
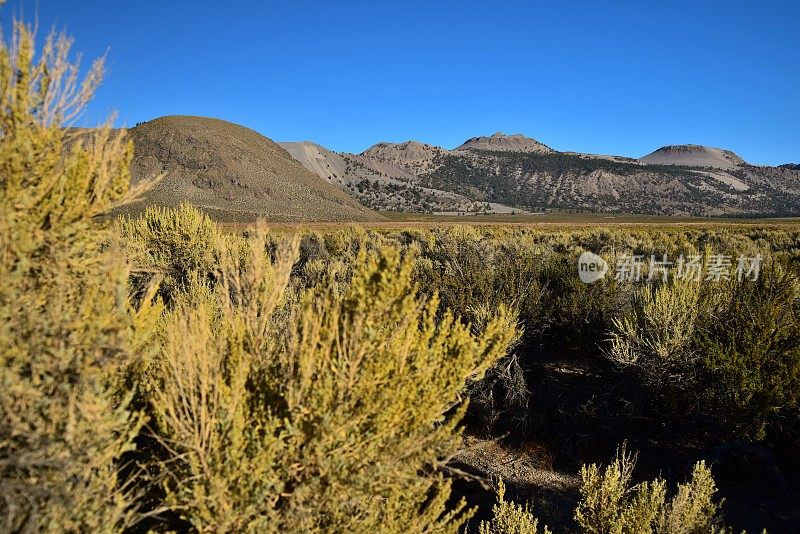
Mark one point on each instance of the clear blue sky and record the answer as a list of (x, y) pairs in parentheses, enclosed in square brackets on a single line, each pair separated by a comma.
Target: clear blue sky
[(607, 77)]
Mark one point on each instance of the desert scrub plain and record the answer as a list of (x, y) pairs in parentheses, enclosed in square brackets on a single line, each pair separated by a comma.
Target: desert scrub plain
[(164, 373)]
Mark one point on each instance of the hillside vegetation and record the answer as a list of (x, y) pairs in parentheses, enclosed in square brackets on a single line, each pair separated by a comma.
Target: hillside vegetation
[(571, 182), (516, 174), (377, 183)]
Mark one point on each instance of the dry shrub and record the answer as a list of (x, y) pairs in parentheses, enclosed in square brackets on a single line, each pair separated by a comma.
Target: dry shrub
[(66, 327), (656, 336), (510, 518), (338, 420), (472, 270), (180, 245), (610, 504)]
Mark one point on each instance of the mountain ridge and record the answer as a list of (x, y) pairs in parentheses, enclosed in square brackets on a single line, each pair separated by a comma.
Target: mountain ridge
[(505, 143), (237, 174), (517, 173)]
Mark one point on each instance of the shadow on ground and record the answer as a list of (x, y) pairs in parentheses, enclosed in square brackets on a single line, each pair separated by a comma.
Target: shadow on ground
[(581, 409)]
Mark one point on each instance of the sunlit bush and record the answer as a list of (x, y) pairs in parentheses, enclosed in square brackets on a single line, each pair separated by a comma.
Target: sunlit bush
[(180, 245), (67, 331), (611, 504), (338, 423), (656, 336), (510, 518)]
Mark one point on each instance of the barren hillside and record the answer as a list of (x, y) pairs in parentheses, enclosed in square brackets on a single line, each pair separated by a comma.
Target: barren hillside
[(506, 143), (694, 156), (385, 179), (233, 173)]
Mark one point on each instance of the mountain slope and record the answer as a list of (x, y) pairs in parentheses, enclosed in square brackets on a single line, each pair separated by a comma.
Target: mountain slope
[(694, 156), (516, 173), (319, 160), (233, 173), (384, 183), (413, 156)]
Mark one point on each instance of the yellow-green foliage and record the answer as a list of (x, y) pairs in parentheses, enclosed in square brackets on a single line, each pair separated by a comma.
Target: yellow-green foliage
[(65, 323), (337, 423), (510, 518), (180, 245), (322, 394), (611, 505), (657, 334), (471, 271)]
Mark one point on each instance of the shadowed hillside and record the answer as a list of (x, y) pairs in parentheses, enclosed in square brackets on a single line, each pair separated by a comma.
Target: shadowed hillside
[(233, 173)]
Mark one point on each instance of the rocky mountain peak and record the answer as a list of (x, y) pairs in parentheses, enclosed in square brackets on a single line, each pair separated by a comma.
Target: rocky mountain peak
[(501, 142), (694, 156)]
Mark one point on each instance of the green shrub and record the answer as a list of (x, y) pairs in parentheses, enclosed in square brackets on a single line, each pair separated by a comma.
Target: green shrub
[(67, 331), (730, 349), (611, 505), (337, 423), (510, 518), (579, 315), (751, 352)]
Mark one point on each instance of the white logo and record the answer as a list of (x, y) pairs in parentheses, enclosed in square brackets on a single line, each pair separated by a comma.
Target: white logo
[(591, 267)]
